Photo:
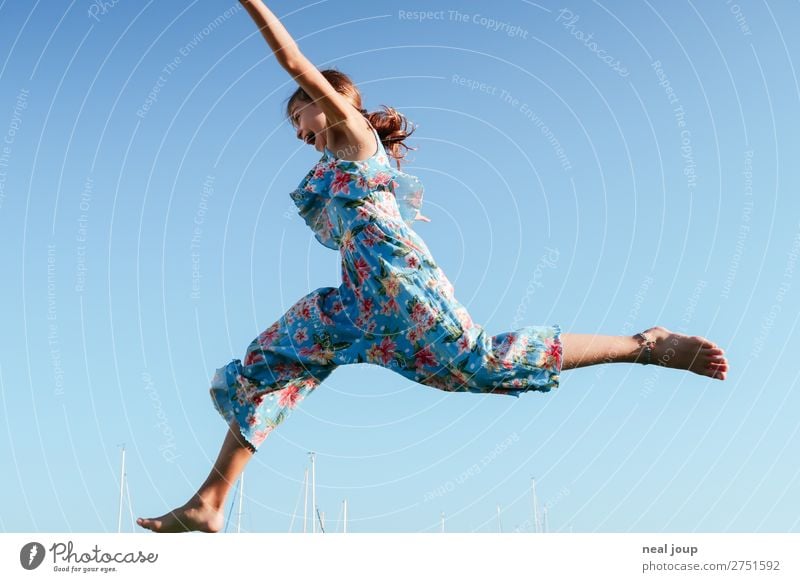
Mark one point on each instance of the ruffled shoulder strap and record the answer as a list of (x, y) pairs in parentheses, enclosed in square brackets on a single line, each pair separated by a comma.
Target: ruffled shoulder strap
[(309, 197), (408, 191)]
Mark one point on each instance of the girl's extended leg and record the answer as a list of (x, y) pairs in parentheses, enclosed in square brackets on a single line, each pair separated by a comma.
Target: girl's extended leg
[(204, 511), (673, 350)]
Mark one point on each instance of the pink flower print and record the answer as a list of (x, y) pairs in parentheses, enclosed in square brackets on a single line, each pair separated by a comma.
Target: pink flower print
[(414, 335), (366, 306), (304, 311), (392, 284), (516, 348), (424, 357), (501, 351), (338, 307), (319, 171), (419, 312), (348, 282), (464, 318), (464, 343), (253, 357), (285, 371), (380, 179), (390, 306), (388, 207), (553, 353), (375, 231), (253, 419), (366, 324), (241, 396), (301, 335), (311, 352), (362, 268), (248, 386), (341, 183), (282, 370), (446, 289), (325, 229), (361, 182), (363, 212), (374, 235), (491, 362), (346, 243), (268, 336), (259, 436), (317, 353), (289, 396), (382, 353), (412, 261), (245, 389), (443, 283)]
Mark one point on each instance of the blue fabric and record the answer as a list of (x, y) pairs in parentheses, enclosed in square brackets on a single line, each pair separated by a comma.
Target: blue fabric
[(395, 308)]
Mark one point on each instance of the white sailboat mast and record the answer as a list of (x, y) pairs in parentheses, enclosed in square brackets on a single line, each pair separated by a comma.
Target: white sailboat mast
[(121, 490), (305, 502), (313, 496), (535, 508)]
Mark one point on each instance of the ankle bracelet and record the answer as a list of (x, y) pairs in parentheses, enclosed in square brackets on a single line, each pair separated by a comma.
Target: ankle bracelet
[(648, 345)]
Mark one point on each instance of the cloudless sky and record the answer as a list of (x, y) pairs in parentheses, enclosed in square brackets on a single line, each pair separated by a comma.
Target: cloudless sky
[(604, 166)]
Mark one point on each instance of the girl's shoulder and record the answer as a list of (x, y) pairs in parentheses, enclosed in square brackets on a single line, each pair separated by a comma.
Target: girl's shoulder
[(377, 160)]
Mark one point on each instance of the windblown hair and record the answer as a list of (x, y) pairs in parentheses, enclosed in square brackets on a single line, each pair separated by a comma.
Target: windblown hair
[(391, 125)]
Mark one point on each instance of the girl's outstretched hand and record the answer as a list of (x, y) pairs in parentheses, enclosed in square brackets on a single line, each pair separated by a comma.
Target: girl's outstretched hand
[(337, 109), (276, 35)]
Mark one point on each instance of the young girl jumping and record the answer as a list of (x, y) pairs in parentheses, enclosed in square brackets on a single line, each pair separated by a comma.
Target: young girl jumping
[(395, 306)]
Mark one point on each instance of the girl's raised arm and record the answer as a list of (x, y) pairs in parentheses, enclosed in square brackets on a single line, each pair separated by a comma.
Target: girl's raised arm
[(336, 108)]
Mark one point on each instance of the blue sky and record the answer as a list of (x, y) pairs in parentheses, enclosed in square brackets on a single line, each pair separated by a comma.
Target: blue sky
[(603, 166)]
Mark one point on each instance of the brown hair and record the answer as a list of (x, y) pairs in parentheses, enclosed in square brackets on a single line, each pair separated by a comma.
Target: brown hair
[(391, 125)]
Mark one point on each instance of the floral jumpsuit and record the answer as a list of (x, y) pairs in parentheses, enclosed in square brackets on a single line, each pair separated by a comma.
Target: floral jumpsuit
[(395, 308)]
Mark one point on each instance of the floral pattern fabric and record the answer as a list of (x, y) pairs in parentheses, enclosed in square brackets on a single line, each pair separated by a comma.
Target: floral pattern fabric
[(395, 308)]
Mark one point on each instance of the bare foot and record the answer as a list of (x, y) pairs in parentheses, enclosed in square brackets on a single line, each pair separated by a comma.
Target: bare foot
[(195, 515), (685, 352)]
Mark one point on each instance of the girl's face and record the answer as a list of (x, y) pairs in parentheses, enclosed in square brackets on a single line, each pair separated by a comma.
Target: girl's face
[(310, 123)]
